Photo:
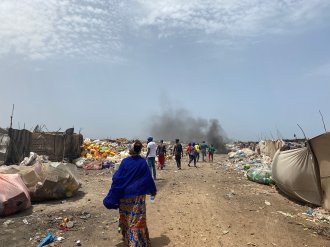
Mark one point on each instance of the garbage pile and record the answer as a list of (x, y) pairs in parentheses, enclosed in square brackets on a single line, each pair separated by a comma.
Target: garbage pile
[(100, 154), (254, 166), (46, 181), (34, 159)]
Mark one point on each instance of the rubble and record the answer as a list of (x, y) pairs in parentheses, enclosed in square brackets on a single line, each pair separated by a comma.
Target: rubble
[(256, 167)]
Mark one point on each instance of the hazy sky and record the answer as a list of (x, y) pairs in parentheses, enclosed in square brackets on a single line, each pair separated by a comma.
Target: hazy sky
[(109, 67)]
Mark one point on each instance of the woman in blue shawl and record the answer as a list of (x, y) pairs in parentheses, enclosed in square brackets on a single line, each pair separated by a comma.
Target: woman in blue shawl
[(130, 185)]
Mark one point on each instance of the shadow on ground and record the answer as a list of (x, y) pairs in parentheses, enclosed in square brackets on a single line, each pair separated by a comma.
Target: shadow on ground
[(161, 241)]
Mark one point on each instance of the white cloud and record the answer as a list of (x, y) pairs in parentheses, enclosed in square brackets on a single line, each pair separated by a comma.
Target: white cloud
[(38, 29), (230, 18)]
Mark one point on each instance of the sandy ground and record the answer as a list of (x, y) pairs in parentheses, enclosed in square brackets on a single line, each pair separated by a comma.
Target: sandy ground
[(206, 206)]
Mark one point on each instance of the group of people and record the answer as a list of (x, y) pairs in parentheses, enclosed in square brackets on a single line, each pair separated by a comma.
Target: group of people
[(194, 150), (134, 180)]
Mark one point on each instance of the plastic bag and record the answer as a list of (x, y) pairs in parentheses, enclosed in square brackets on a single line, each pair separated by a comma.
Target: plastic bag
[(260, 175), (14, 195)]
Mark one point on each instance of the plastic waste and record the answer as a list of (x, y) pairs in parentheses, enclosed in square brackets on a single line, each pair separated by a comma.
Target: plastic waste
[(50, 238), (152, 199), (260, 175), (14, 195)]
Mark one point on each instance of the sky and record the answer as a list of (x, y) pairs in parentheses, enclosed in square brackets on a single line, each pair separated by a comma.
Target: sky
[(111, 68)]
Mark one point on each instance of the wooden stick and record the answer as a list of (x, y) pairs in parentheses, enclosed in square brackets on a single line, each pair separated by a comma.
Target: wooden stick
[(302, 131), (11, 117), (323, 121)]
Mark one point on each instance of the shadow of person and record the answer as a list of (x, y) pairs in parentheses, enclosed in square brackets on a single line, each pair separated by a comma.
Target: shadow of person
[(161, 241)]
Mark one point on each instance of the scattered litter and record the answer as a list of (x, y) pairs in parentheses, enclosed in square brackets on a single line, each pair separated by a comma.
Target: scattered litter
[(268, 203), (7, 223), (50, 238), (286, 214), (85, 215), (309, 212), (225, 232)]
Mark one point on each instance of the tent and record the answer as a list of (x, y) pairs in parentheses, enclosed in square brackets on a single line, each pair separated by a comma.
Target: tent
[(304, 173)]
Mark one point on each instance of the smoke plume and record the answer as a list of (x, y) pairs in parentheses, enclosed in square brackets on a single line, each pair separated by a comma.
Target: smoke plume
[(173, 124)]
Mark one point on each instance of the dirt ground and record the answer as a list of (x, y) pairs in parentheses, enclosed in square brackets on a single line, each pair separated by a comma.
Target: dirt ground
[(206, 206)]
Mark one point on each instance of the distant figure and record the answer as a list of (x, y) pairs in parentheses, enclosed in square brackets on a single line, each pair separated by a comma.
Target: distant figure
[(188, 151), (151, 156), (198, 150), (192, 155), (161, 153), (203, 150), (211, 152), (130, 185), (178, 153)]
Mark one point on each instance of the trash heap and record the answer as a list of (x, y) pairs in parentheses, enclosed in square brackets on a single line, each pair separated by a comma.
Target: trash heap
[(254, 166), (42, 181), (102, 154)]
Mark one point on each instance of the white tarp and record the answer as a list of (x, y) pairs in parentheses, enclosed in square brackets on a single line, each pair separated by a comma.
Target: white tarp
[(296, 174)]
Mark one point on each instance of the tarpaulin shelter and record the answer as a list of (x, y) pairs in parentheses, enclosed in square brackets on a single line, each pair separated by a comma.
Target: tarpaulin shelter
[(304, 173), (56, 145)]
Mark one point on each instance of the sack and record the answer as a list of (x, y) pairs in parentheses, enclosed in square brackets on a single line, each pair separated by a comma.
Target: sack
[(47, 181), (14, 195), (260, 175)]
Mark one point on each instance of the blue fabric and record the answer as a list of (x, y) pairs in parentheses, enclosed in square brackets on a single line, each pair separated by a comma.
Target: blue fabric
[(133, 178)]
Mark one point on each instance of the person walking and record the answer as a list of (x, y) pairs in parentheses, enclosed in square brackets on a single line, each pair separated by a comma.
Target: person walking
[(130, 185), (178, 153), (161, 153), (203, 150), (197, 149), (192, 155), (211, 152), (151, 156)]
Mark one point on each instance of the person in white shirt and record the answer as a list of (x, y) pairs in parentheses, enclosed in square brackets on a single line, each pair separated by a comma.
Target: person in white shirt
[(151, 156)]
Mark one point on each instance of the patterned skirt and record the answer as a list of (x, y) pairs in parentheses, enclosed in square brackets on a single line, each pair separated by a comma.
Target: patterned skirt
[(133, 221)]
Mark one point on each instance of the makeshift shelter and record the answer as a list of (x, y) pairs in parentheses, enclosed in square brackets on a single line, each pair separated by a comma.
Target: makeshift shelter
[(18, 144), (304, 173), (320, 146)]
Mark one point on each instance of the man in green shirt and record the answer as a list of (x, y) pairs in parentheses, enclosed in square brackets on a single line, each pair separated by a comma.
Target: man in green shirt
[(211, 152)]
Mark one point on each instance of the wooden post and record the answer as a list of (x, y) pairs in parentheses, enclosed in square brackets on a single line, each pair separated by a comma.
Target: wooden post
[(11, 117)]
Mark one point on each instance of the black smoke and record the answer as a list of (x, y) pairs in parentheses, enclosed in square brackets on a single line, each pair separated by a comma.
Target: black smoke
[(173, 124)]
